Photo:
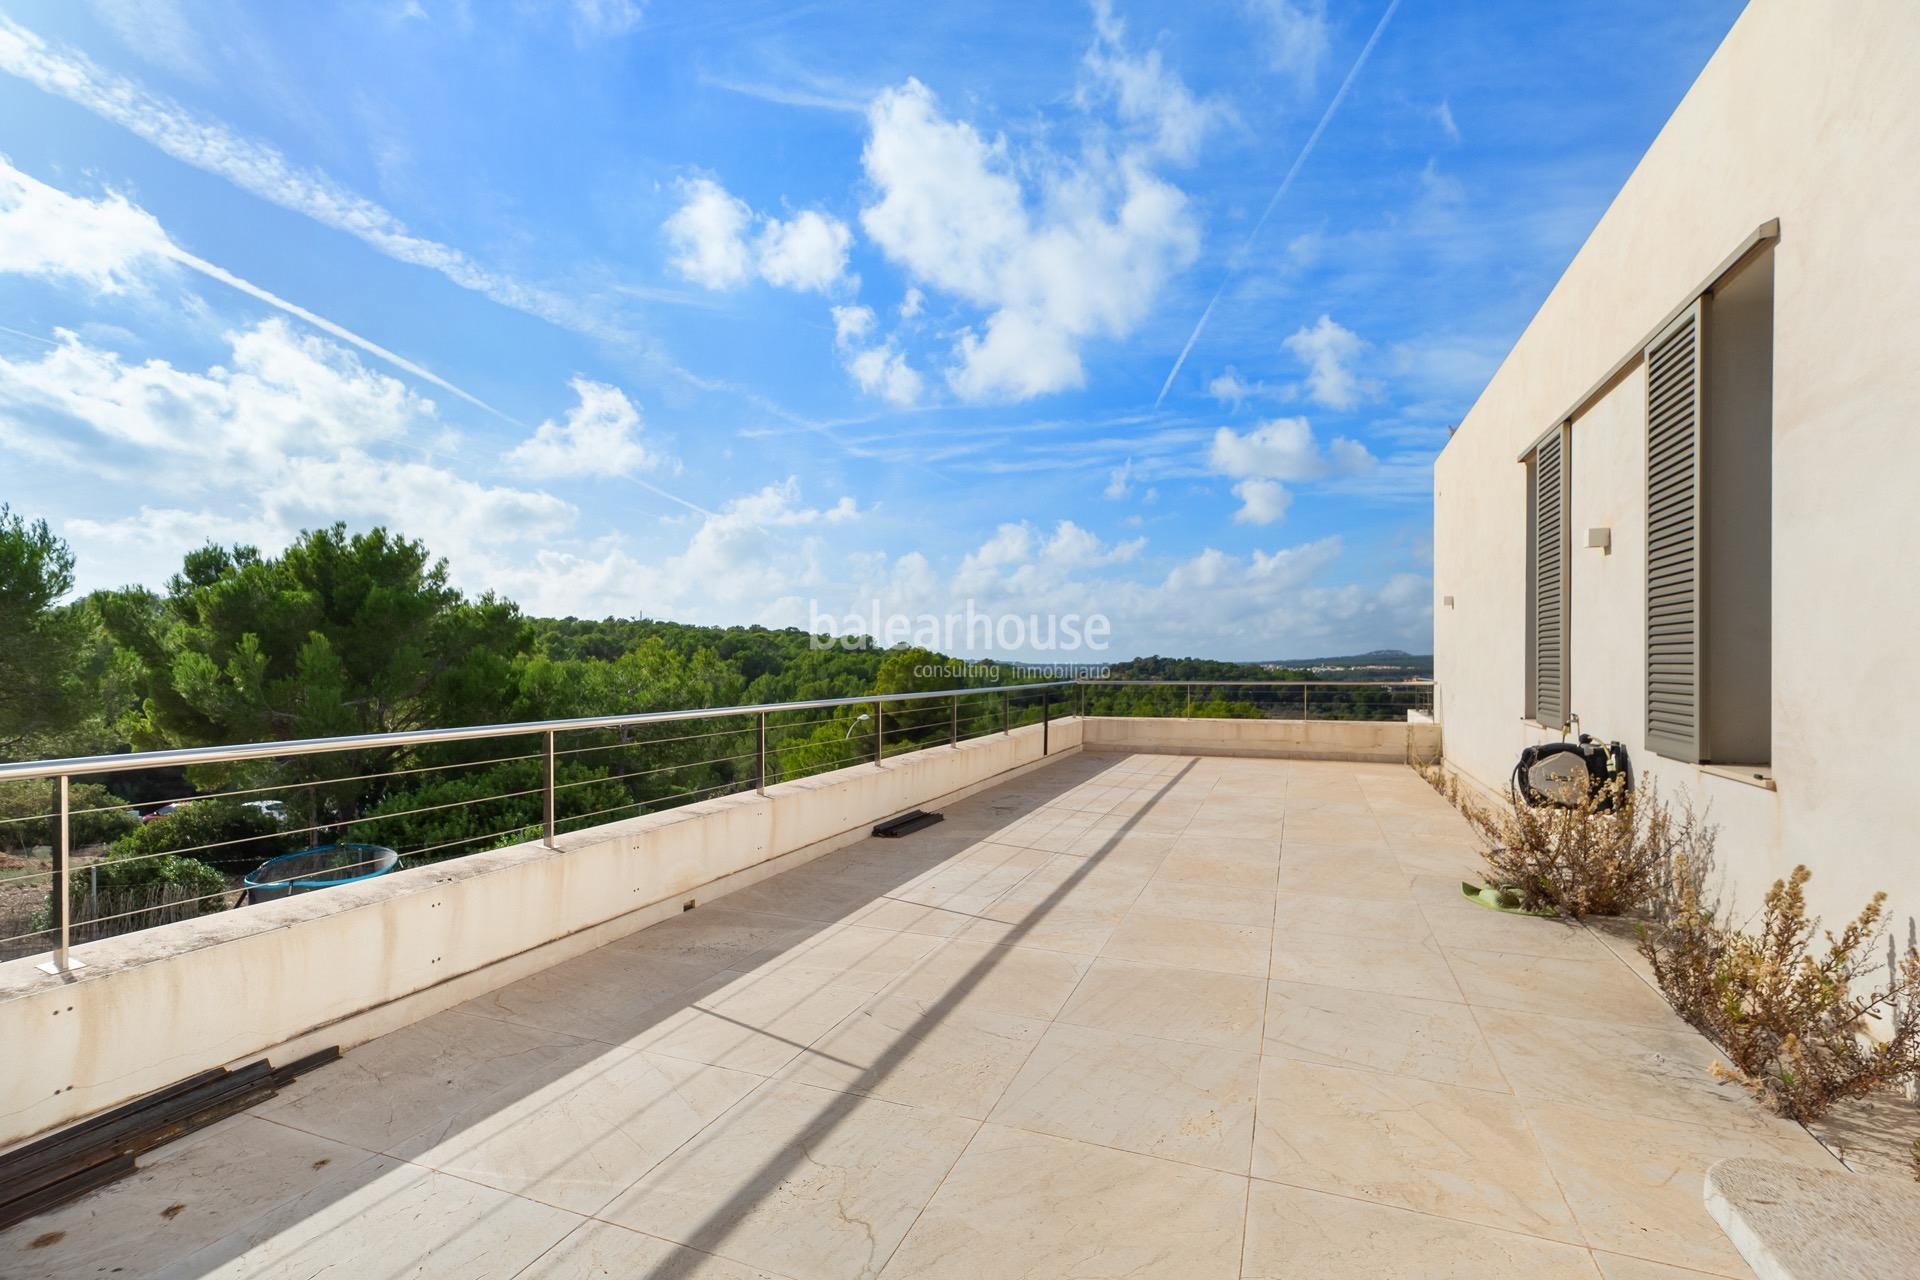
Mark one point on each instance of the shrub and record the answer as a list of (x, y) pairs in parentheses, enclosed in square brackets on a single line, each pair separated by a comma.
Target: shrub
[(125, 893), (98, 815), (1608, 855), (1788, 1014), (219, 832)]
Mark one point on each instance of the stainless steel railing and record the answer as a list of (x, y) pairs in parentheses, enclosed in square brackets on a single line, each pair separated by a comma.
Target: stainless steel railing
[(557, 769), (912, 728), (1267, 699)]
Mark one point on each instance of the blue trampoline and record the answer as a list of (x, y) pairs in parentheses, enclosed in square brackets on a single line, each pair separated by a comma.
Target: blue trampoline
[(326, 867)]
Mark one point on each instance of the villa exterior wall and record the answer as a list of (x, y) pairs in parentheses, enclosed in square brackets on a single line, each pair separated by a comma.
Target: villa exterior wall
[(1806, 114)]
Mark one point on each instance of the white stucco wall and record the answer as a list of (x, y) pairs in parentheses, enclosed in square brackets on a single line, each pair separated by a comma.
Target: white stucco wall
[(1808, 113)]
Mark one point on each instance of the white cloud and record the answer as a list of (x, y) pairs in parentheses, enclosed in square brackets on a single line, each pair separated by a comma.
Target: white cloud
[(1261, 501), (1232, 390), (107, 245), (1296, 36), (1328, 350), (1444, 114), (261, 169), (809, 251), (1119, 481), (912, 304), (291, 431), (1272, 603), (112, 246), (884, 371), (879, 369), (707, 234), (600, 437), (1285, 449), (1144, 94), (281, 393), (852, 323), (1080, 256), (156, 30), (603, 18)]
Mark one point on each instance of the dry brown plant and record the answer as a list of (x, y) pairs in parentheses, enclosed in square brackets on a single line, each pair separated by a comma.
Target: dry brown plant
[(1608, 855), (1796, 1019)]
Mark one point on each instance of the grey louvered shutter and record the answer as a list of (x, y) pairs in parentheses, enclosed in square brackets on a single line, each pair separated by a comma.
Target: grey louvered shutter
[(1673, 538), (1550, 492)]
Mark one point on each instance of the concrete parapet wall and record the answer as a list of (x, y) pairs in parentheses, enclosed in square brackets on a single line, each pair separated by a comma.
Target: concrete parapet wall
[(1391, 740), (344, 965)]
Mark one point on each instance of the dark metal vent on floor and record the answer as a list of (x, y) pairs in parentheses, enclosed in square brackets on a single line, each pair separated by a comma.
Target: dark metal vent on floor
[(906, 823)]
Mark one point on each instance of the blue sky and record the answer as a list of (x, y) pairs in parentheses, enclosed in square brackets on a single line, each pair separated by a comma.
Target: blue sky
[(736, 313)]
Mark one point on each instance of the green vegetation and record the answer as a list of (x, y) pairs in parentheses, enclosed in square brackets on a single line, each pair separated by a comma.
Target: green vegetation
[(352, 634)]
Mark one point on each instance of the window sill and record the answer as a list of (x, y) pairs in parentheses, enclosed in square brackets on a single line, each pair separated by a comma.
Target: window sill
[(1751, 775)]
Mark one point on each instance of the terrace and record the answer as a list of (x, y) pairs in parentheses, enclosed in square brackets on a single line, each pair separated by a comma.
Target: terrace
[(1133, 1008)]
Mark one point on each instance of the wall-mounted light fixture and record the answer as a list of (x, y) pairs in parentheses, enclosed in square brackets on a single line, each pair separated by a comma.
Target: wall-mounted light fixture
[(1601, 539)]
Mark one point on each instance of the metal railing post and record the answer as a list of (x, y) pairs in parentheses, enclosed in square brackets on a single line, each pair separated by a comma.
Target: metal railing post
[(1189, 714), (63, 960), (1046, 714), (953, 726), (1081, 691), (1305, 714), (760, 754), (552, 814), (879, 732), (1006, 713)]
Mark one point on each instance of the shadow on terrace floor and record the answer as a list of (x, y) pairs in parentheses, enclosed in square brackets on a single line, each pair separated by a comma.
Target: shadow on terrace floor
[(475, 1137)]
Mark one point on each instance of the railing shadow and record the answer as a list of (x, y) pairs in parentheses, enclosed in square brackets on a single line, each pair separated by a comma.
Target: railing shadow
[(250, 1224)]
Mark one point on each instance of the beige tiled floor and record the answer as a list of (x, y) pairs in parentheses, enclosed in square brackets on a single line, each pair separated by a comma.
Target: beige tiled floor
[(1140, 1016)]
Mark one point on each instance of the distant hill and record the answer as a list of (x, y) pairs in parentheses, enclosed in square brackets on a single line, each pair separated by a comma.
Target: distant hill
[(1375, 664)]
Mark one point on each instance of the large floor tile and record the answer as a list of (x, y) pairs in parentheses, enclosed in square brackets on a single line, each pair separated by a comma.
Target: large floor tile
[(583, 1137), (1186, 1102), (1604, 989), (1379, 877), (717, 936), (1223, 862), (808, 1183), (1484, 929), (1621, 1067), (1433, 1040), (1294, 1234), (847, 955), (606, 995), (1075, 930), (1020, 1206), (603, 1251), (1215, 904), (1635, 1185), (1411, 967), (1191, 944), (395, 1220), (182, 1199), (1220, 1009), (432, 1078), (956, 1060), (749, 1022), (1391, 919), (1459, 1153), (1025, 981)]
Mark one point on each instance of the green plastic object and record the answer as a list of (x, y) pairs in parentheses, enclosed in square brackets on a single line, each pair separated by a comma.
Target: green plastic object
[(1493, 899)]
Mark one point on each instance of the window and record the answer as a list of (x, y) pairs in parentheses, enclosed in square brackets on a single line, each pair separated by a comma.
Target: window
[(1548, 544), (1710, 525)]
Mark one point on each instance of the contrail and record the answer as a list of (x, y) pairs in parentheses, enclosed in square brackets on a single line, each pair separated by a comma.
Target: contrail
[(1339, 96), (320, 322)]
